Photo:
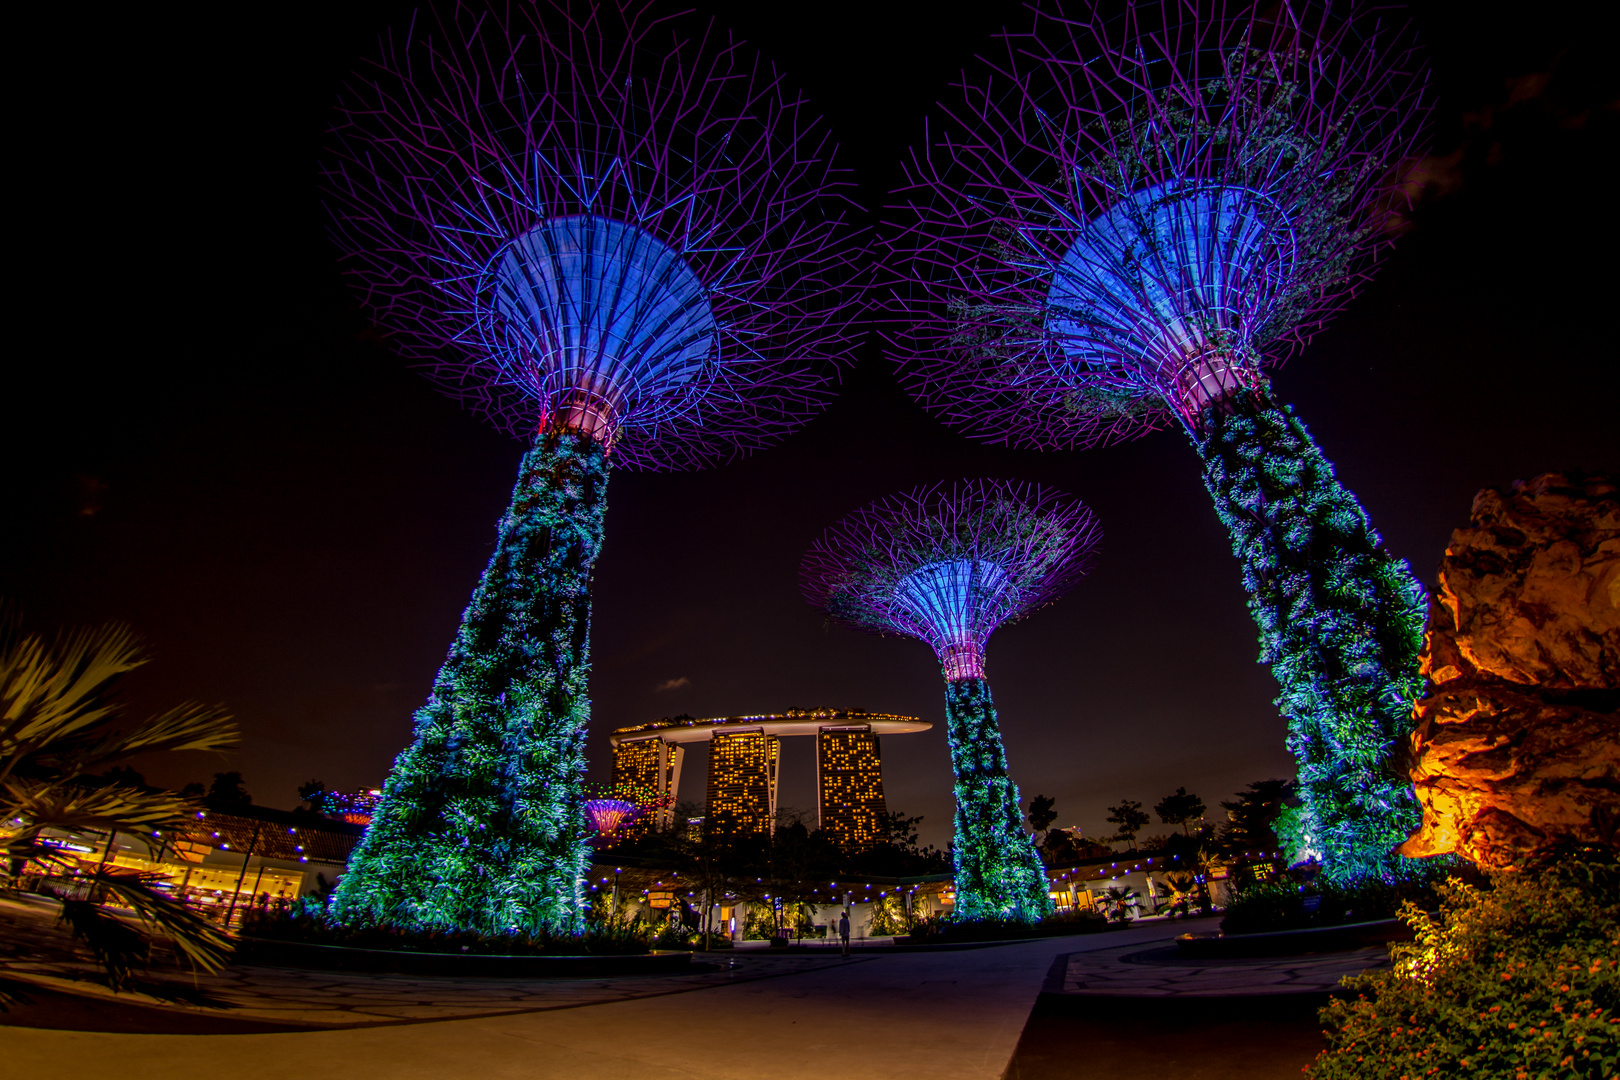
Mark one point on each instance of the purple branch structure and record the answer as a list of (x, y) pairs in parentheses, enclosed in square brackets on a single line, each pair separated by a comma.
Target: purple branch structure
[(1120, 225), (585, 221), (622, 238), (1124, 221), (608, 816), (947, 566)]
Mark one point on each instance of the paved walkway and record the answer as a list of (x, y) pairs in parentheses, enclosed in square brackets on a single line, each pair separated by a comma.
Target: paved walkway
[(883, 1016), (930, 1016), (1160, 971), (296, 998)]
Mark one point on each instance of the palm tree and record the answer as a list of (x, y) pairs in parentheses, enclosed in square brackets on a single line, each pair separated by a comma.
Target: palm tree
[(1120, 898), (60, 725), (1184, 893)]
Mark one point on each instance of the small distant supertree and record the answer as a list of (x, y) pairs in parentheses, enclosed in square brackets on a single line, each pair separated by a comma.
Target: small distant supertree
[(618, 237), (609, 817), (1123, 225), (948, 566)]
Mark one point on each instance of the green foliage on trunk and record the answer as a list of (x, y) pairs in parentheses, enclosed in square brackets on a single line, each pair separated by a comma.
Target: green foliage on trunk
[(998, 872), (1341, 623), (481, 826)]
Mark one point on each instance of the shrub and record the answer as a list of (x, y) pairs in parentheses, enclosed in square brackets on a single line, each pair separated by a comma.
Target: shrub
[(1073, 922), (671, 935), (1280, 904), (759, 923), (1516, 980), (943, 929), (888, 917)]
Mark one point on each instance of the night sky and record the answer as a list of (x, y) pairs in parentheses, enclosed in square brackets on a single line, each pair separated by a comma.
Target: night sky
[(205, 437)]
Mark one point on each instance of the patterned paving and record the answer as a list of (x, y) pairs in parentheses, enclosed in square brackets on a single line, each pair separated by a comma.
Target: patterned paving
[(35, 948), (299, 998), (38, 951), (1161, 971)]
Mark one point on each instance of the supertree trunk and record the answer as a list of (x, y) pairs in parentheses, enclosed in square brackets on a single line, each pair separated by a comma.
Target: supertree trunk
[(1341, 623), (481, 825), (998, 872)]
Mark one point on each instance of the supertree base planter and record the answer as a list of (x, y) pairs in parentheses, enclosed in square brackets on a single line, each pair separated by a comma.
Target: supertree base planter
[(481, 826), (999, 875), (1341, 624)]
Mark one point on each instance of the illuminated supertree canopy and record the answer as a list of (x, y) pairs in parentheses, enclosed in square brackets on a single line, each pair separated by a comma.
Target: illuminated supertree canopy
[(622, 238), (948, 566), (1124, 222), (608, 816)]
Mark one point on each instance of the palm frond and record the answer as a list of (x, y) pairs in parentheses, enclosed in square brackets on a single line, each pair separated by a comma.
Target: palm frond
[(51, 693), (204, 945), (46, 804), (25, 847), (58, 722), (117, 946), (187, 727), (58, 713)]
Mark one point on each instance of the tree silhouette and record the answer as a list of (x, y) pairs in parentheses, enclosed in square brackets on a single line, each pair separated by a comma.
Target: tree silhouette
[(227, 787), (1252, 816), (1180, 809), (1130, 817), (313, 792), (1042, 813)]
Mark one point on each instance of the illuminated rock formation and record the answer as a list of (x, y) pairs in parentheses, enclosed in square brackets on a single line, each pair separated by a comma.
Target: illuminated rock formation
[(1518, 741)]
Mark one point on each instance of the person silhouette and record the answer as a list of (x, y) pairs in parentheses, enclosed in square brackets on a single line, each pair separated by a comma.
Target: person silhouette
[(843, 931)]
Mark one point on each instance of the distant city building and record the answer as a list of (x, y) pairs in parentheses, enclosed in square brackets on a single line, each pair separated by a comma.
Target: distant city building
[(744, 762), (742, 782), (647, 771), (849, 786)]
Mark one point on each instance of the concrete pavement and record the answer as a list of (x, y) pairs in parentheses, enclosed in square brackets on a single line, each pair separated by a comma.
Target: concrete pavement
[(930, 1016)]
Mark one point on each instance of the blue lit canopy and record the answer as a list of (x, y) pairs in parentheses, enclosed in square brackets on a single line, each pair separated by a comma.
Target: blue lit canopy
[(595, 315), (1173, 281), (958, 603), (590, 217), (947, 565), (1135, 208)]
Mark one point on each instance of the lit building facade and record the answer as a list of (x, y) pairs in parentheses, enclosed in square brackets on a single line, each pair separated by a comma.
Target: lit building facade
[(849, 786), (234, 857), (743, 766), (742, 783), (647, 770)]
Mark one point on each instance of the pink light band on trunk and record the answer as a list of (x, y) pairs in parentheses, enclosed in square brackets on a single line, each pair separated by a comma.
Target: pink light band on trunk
[(962, 661)]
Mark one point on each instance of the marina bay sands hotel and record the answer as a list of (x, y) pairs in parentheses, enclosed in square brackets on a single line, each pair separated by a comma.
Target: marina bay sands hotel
[(744, 753)]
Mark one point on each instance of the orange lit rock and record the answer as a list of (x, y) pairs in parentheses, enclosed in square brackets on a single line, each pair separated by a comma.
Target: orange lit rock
[(1517, 744)]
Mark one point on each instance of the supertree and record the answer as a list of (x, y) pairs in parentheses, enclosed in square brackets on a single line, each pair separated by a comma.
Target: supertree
[(1123, 225), (608, 817), (621, 238), (948, 566)]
